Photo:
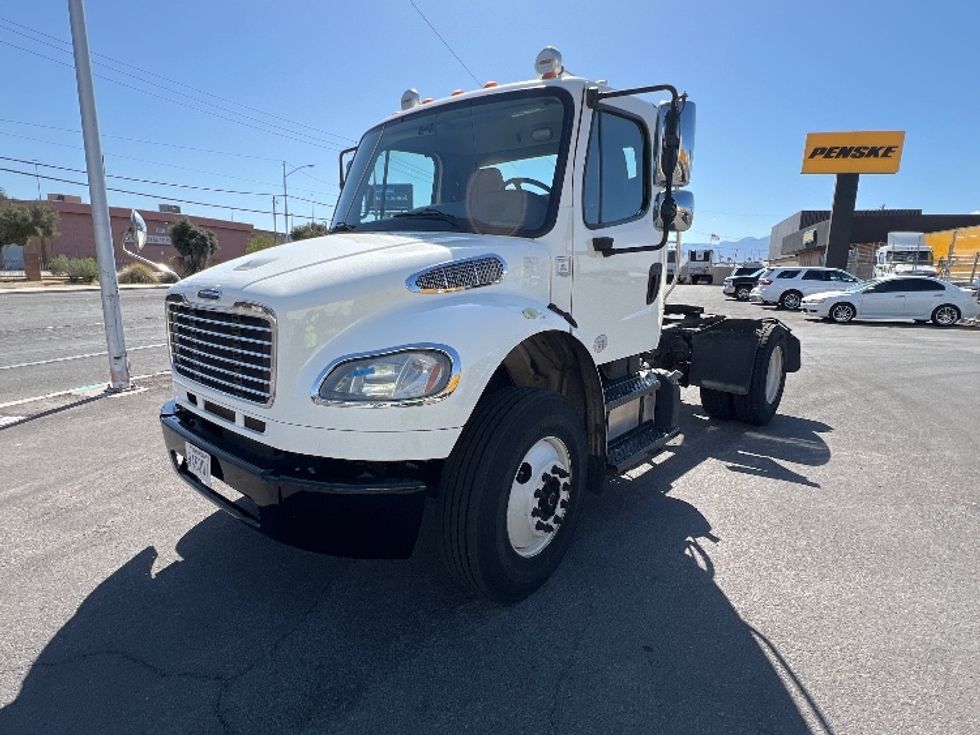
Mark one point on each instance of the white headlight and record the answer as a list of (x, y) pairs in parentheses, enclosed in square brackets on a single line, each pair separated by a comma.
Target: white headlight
[(402, 376)]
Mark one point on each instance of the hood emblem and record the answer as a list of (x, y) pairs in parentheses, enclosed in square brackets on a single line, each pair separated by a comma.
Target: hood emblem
[(212, 294)]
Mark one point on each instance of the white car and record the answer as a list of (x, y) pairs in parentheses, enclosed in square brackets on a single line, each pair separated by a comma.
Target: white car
[(918, 298), (787, 286)]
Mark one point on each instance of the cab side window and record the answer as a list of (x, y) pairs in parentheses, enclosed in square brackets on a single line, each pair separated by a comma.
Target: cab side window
[(617, 173)]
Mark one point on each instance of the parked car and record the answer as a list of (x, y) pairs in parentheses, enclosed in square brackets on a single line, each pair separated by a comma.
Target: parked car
[(786, 286), (741, 282), (918, 298)]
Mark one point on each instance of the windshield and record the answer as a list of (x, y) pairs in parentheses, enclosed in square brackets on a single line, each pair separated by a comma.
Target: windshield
[(491, 164), (908, 256)]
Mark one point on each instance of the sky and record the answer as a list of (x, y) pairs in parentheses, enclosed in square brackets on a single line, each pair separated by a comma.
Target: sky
[(217, 94)]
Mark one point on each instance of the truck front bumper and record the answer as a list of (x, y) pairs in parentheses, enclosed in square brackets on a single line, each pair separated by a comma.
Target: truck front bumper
[(345, 508)]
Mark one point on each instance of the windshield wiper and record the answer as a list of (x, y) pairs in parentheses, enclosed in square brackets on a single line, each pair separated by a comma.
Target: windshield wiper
[(432, 213), (341, 227)]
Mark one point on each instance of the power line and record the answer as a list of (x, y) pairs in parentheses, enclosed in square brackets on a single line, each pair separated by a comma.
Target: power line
[(120, 62), (148, 194), (150, 181), (444, 41), (157, 163), (270, 129)]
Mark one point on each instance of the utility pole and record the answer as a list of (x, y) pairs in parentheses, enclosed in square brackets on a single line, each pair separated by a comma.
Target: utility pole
[(285, 205), (111, 310), (275, 222), (285, 197)]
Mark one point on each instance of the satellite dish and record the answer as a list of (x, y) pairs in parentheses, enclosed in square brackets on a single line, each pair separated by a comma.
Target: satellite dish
[(137, 226)]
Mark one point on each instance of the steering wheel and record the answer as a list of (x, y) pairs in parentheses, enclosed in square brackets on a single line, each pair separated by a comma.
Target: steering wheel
[(518, 180)]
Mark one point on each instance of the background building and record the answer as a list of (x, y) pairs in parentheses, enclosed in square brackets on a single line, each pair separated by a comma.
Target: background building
[(802, 237), (76, 238)]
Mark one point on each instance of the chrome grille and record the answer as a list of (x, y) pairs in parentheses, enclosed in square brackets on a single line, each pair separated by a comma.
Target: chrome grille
[(459, 275), (229, 351)]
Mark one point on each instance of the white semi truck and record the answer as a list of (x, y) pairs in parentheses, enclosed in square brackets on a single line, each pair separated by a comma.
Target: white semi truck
[(479, 341), (905, 254)]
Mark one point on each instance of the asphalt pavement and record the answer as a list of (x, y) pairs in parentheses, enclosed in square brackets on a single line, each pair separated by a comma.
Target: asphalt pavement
[(55, 341), (816, 575)]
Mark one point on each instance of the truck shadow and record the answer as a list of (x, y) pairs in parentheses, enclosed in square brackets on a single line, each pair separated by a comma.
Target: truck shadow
[(245, 635)]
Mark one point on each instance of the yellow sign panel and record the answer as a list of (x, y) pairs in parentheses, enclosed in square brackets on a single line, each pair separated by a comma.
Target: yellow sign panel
[(853, 153)]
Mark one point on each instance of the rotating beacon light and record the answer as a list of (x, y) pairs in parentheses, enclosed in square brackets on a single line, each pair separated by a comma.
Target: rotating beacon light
[(548, 64)]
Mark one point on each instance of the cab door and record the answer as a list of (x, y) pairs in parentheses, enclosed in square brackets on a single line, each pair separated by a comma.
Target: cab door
[(616, 298)]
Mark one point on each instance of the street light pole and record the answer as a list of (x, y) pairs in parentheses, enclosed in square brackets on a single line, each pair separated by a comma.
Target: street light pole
[(108, 285), (285, 196)]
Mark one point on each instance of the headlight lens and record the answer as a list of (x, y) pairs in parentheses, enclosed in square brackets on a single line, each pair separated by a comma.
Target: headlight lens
[(398, 376)]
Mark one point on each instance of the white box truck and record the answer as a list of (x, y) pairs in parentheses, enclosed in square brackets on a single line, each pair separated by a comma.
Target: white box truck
[(480, 340)]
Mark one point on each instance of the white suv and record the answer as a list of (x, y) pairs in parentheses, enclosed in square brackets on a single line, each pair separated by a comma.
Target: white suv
[(787, 286)]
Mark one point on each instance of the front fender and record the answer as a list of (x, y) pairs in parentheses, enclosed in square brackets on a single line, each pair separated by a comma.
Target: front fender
[(481, 328)]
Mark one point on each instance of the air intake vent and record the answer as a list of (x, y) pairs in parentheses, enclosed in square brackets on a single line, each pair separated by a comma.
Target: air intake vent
[(459, 275)]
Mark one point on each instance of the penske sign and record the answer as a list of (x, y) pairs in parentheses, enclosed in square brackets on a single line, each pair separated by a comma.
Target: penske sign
[(853, 153)]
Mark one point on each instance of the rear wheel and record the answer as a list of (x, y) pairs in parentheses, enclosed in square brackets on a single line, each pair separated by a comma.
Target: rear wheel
[(791, 300), (716, 404), (742, 293), (945, 316), (511, 491), (842, 313), (768, 380)]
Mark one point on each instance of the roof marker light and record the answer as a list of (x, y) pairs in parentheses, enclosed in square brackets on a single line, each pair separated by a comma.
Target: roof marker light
[(427, 100), (410, 99), (456, 92), (489, 84), (548, 63)]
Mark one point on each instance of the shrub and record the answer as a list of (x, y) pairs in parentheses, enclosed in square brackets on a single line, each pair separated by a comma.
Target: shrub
[(137, 273), (58, 265), (81, 270), (260, 242), (167, 277), (194, 243)]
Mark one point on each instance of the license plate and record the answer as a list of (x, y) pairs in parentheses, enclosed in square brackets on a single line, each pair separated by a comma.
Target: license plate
[(199, 463)]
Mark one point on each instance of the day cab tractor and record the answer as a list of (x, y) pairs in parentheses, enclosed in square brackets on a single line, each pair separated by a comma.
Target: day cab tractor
[(479, 340)]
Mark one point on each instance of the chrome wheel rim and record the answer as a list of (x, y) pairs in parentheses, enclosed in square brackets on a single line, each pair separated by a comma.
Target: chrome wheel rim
[(842, 313), (742, 294), (791, 301), (539, 496), (946, 315), (774, 375)]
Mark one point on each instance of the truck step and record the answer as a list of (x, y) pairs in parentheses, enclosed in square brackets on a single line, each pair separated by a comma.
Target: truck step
[(637, 445), (629, 389)]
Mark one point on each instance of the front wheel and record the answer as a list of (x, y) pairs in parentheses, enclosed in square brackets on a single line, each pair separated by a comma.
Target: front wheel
[(759, 405), (945, 316), (742, 293), (842, 313), (511, 492)]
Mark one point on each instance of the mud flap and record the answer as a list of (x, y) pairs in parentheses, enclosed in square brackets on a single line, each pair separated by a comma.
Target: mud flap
[(723, 356)]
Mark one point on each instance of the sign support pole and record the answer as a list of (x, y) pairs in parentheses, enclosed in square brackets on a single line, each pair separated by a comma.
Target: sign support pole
[(841, 220)]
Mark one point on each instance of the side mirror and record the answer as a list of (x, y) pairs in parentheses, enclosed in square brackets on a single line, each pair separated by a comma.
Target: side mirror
[(685, 153), (344, 161), (683, 216), (137, 227)]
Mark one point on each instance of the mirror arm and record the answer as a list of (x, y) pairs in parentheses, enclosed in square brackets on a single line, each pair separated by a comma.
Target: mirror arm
[(340, 163), (668, 156)]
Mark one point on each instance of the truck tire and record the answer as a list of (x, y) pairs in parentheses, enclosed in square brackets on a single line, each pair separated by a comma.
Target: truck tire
[(759, 405), (716, 404), (511, 492)]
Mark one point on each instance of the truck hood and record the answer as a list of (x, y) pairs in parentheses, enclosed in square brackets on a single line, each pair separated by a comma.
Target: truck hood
[(349, 254)]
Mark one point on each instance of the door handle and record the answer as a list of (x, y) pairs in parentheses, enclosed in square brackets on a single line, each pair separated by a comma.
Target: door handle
[(653, 282)]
